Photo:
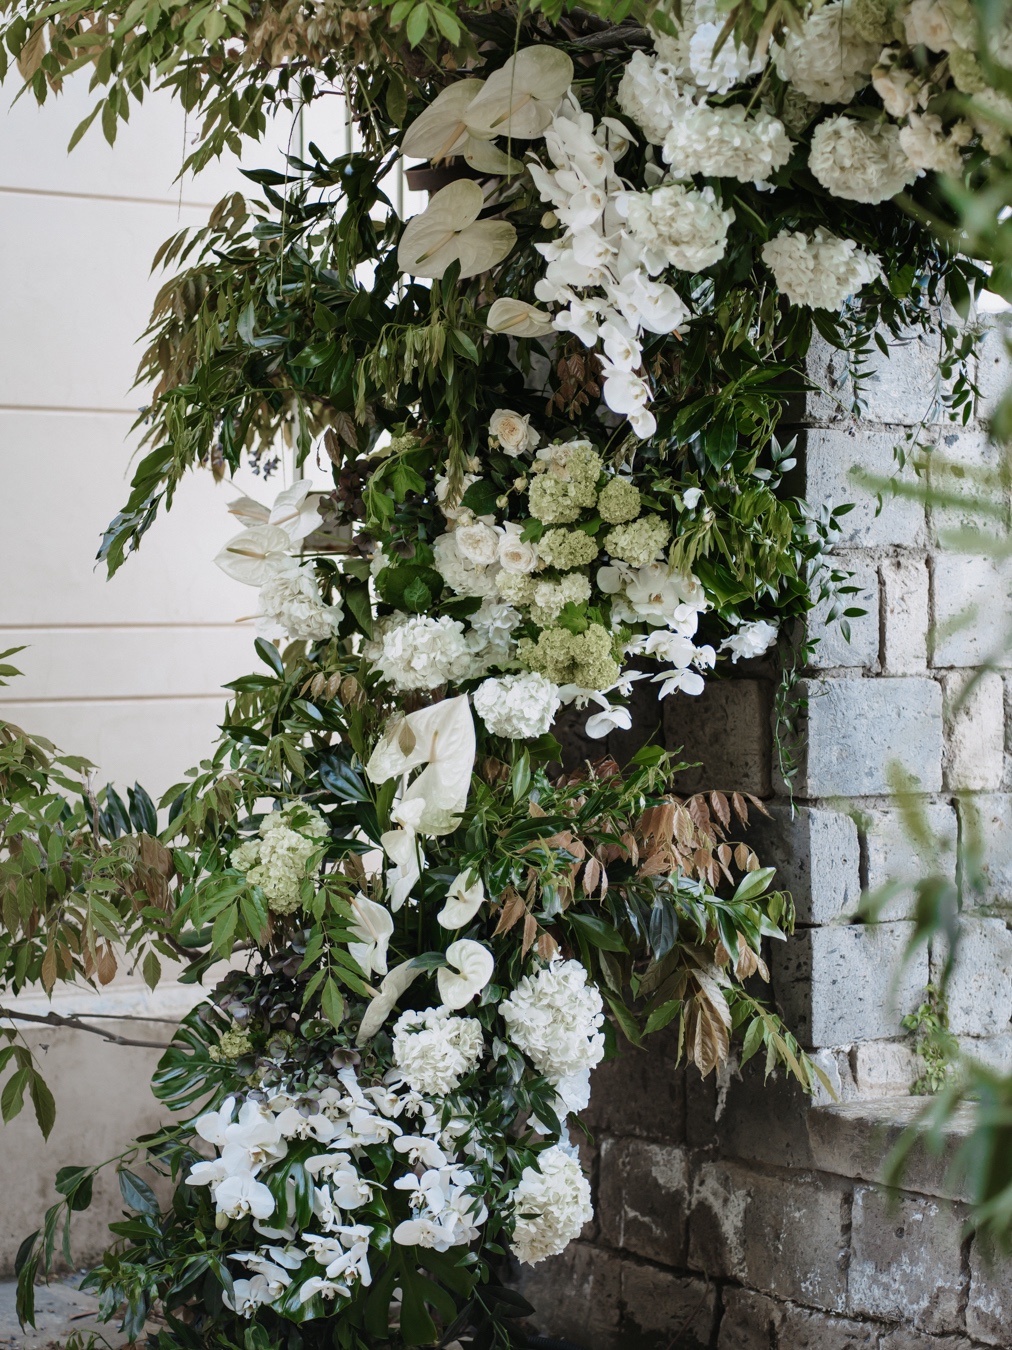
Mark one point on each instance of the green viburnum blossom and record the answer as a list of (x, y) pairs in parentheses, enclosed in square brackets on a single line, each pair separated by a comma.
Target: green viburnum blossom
[(967, 72), (516, 588), (639, 542), (565, 483), (278, 862), (234, 1044), (619, 501), (563, 657), (551, 597), (568, 548), (875, 21)]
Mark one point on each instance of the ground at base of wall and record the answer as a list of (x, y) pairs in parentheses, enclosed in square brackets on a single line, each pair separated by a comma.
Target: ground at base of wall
[(60, 1310)]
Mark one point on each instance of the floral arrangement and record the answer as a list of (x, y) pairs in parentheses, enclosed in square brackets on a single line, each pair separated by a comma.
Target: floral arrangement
[(549, 404)]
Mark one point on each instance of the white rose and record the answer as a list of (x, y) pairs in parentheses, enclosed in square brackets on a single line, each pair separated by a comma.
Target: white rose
[(896, 89), (927, 22), (478, 543), (515, 554), (512, 431)]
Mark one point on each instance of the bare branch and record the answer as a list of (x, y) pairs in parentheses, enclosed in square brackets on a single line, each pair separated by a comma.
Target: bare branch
[(53, 1019)]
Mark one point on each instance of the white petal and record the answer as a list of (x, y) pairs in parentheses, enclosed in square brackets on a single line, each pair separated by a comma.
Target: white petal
[(252, 556), (470, 969), (399, 979), (519, 319)]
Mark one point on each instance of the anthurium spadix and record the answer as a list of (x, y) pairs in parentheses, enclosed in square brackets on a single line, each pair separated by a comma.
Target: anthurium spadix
[(519, 319), (440, 133), (449, 231), (520, 100)]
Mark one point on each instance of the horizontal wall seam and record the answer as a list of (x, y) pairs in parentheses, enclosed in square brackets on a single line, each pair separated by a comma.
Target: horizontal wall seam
[(172, 202), (112, 700)]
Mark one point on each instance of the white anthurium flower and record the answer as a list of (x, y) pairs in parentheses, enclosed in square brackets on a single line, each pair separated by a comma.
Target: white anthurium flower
[(442, 738), (373, 927), (448, 231), (470, 969), (441, 132), (296, 511), (462, 901), (253, 556), (393, 986), (612, 717), (691, 498), (401, 848), (520, 99), (249, 511), (518, 319)]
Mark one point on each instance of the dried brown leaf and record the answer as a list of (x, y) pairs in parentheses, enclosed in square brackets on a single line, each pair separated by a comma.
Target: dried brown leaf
[(530, 933), (547, 946), (741, 854), (758, 805), (721, 809), (740, 809), (591, 876)]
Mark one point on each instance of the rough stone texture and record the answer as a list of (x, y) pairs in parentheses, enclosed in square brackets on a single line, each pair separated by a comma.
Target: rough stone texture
[(980, 987), (858, 728), (962, 469), (993, 364), (966, 591), (989, 1310), (817, 856), (660, 1310), (60, 1311), (643, 1199), (974, 712), (752, 1322), (986, 825), (905, 613), (781, 1233), (893, 855), (835, 460), (578, 1295), (724, 1110), (883, 1068), (727, 730), (833, 649), (845, 983), (905, 1260), (902, 386), (640, 1092), (905, 1338)]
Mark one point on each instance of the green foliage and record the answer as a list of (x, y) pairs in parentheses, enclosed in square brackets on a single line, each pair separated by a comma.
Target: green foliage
[(933, 1042)]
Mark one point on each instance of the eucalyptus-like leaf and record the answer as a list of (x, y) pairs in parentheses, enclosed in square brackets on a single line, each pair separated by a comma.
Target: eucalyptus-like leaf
[(521, 99), (252, 556), (519, 319), (449, 231)]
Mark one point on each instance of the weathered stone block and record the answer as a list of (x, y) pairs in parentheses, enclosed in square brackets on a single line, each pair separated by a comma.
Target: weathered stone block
[(658, 1306), (640, 1092), (986, 825), (980, 986), (900, 387), (883, 1068), (905, 1260), (817, 857), (966, 593), (905, 611), (905, 1338), (782, 1233), (989, 1309), (753, 1322), (973, 708), (643, 1199), (858, 729), (993, 365), (726, 729), (863, 648), (894, 855), (963, 471), (578, 1295), (839, 462), (747, 1118), (847, 982)]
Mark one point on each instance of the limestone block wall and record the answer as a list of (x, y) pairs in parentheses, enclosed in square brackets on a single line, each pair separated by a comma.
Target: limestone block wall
[(734, 1216)]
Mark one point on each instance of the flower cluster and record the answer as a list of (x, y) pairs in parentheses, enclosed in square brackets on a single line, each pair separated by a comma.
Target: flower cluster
[(285, 857), (552, 1204), (555, 1017)]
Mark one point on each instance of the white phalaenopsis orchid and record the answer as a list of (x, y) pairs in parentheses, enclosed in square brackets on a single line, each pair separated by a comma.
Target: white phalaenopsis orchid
[(449, 231), (470, 968)]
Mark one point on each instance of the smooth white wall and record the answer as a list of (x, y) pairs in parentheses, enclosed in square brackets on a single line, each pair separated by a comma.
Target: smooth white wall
[(126, 672)]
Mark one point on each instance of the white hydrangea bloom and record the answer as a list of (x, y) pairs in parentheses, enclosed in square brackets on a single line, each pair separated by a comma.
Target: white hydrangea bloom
[(520, 707), (422, 653), (828, 61), (860, 161), (938, 25), (461, 575), (926, 145), (554, 1017), (751, 639), (648, 92), (822, 271), (725, 142), (435, 1050), (718, 71), (676, 226), (552, 1203), (290, 605)]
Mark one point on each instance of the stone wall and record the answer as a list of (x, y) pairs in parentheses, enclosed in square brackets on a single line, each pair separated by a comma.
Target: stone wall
[(735, 1216)]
